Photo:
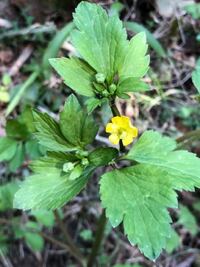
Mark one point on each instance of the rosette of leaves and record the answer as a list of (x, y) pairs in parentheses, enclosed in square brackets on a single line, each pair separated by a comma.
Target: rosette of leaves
[(108, 64)]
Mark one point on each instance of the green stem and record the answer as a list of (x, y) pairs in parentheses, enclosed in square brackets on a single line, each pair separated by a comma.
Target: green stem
[(116, 112), (71, 246), (98, 239), (114, 109)]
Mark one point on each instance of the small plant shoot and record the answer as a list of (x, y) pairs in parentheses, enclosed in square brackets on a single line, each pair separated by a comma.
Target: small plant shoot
[(107, 65)]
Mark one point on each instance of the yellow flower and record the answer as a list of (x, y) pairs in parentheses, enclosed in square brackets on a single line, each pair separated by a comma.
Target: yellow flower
[(121, 128)]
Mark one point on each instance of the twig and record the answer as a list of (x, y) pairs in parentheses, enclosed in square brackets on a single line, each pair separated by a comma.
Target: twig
[(71, 246), (191, 135), (98, 239), (27, 51), (45, 236), (33, 29)]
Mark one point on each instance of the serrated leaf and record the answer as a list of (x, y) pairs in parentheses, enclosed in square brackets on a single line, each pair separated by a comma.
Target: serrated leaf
[(49, 133), (49, 191), (102, 156), (75, 73), (196, 76), (143, 193), (53, 161), (8, 148), (152, 41), (77, 126), (131, 84), (135, 63), (101, 40), (157, 150)]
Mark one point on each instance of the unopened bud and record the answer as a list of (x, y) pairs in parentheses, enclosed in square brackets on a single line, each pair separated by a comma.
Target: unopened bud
[(68, 166), (112, 88), (100, 77)]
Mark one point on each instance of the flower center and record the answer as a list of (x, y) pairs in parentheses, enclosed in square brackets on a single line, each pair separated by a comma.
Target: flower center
[(122, 134)]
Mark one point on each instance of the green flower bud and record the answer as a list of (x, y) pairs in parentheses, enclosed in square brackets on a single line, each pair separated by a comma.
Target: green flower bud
[(112, 88), (68, 166), (105, 93), (100, 77), (76, 172), (84, 162)]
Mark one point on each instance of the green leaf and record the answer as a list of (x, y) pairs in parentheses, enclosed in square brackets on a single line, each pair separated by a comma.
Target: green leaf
[(34, 241), (26, 118), (102, 156), (75, 73), (135, 63), (143, 193), (77, 126), (101, 40), (33, 149), (18, 158), (76, 172), (157, 150), (49, 191), (7, 192), (8, 148), (44, 217), (131, 84), (92, 104), (173, 242), (49, 133), (152, 41), (196, 76), (187, 219), (53, 161), (16, 130)]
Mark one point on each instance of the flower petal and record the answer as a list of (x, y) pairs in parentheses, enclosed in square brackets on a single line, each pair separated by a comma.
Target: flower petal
[(114, 138), (111, 128), (127, 140), (133, 131), (116, 120)]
